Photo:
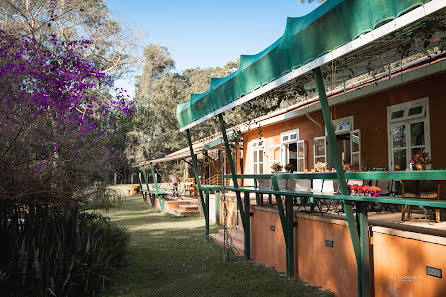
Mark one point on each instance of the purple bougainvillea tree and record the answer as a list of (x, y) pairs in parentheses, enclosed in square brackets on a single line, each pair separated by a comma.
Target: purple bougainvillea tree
[(56, 118)]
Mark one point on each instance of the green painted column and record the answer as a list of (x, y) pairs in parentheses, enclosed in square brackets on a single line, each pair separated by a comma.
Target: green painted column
[(147, 186), (285, 215), (206, 215), (290, 243), (197, 179), (365, 251), (217, 207), (340, 173), (243, 214), (144, 196), (247, 229), (154, 177)]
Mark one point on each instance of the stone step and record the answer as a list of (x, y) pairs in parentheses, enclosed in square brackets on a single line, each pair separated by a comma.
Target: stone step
[(240, 236), (182, 212), (189, 206), (237, 246)]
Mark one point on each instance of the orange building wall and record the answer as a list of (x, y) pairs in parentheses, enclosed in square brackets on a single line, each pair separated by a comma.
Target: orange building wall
[(370, 116), (331, 268), (396, 258), (267, 247), (392, 258)]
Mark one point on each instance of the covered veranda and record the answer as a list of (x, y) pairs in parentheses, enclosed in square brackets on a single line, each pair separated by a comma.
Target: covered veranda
[(291, 64)]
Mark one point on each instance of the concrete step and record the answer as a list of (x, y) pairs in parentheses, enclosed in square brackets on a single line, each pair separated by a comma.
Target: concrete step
[(236, 235), (189, 206), (237, 246), (240, 236), (182, 212)]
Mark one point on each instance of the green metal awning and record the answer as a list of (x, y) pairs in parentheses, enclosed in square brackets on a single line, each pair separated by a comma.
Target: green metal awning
[(333, 27)]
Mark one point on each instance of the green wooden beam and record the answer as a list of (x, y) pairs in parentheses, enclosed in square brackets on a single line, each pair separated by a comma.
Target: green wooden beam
[(243, 214), (365, 253), (152, 201), (144, 195), (286, 220), (154, 177), (339, 171), (197, 182)]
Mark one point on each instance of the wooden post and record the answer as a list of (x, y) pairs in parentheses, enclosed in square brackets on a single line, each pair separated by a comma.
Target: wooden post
[(341, 178), (243, 214), (197, 180)]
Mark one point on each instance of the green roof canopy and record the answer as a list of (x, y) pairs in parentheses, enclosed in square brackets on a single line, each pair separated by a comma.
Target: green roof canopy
[(331, 25)]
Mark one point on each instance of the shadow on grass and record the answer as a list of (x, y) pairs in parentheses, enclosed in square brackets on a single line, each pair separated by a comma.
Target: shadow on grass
[(169, 257)]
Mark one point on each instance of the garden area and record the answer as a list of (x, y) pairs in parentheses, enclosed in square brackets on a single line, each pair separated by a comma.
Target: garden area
[(168, 256)]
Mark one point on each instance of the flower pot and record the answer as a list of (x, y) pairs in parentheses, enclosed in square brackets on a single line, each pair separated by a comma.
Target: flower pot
[(376, 194)]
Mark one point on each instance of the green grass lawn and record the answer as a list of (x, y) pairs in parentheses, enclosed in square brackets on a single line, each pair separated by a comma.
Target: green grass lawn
[(169, 257)]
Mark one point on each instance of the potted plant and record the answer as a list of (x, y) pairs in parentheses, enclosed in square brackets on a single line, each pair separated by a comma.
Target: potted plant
[(321, 167), (420, 159), (276, 167)]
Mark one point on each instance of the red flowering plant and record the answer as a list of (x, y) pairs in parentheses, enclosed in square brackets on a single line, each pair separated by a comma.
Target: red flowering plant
[(420, 158), (357, 190), (57, 115)]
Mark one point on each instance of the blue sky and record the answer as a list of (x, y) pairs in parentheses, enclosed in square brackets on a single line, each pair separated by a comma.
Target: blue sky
[(208, 33)]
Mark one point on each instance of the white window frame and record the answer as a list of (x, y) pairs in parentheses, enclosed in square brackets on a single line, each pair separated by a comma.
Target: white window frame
[(257, 148), (301, 159), (271, 154), (351, 147), (407, 120), (324, 138), (284, 154), (349, 119)]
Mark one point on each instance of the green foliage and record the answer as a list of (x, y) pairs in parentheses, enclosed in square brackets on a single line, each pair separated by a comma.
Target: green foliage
[(103, 197), (58, 253)]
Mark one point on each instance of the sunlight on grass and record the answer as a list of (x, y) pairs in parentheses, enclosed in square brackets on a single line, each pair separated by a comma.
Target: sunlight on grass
[(169, 257)]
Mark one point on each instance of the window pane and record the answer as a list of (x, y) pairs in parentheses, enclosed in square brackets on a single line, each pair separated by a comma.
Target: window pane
[(300, 150), (320, 159), (397, 114), (399, 158), (415, 110), (255, 156), (261, 168), (399, 136), (300, 164), (355, 142), (417, 133), (417, 150), (319, 147), (261, 156), (255, 168), (293, 136), (355, 161), (285, 138)]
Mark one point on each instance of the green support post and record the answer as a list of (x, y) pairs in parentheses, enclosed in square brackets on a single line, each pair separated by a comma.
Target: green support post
[(362, 275), (198, 184), (217, 207), (244, 215), (290, 225), (206, 214), (160, 199), (247, 230), (152, 201), (144, 197), (286, 220)]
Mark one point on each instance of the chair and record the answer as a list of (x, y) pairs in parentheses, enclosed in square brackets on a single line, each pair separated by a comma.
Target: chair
[(427, 190)]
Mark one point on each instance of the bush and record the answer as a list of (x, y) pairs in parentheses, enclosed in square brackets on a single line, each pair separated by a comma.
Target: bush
[(58, 253)]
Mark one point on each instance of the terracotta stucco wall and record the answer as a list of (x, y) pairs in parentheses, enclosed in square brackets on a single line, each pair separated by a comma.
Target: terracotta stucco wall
[(400, 267), (334, 267), (392, 258), (370, 116)]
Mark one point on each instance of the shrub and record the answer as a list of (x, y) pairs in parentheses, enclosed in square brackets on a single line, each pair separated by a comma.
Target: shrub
[(58, 253)]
